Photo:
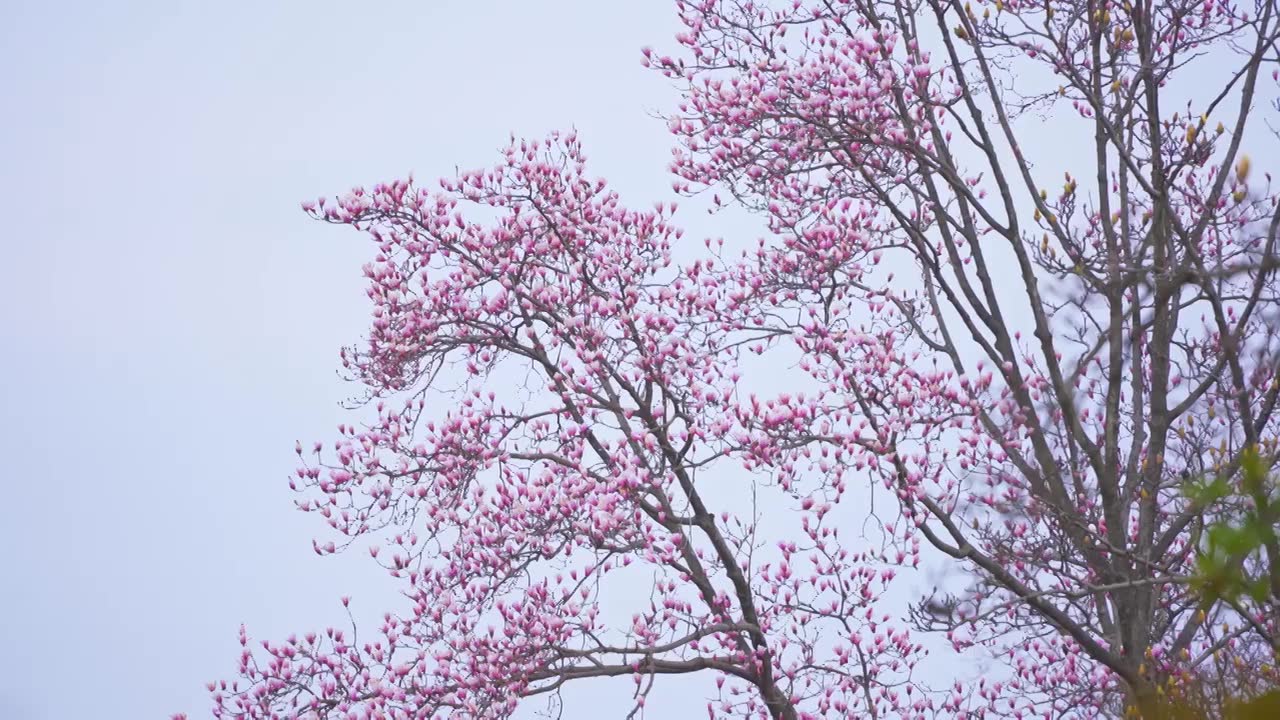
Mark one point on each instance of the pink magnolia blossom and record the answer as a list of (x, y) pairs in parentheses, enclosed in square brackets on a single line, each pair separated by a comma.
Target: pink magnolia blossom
[(1027, 377)]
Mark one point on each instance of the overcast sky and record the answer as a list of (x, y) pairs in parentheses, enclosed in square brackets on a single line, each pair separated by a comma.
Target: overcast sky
[(170, 320)]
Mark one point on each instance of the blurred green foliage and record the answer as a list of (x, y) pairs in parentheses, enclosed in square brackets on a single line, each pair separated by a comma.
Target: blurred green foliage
[(1222, 566), (1231, 566)]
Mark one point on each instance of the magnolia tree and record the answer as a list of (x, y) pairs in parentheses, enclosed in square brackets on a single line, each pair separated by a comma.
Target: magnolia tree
[(1019, 280)]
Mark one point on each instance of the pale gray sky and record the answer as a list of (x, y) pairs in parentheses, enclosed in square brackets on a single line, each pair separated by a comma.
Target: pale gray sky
[(170, 320)]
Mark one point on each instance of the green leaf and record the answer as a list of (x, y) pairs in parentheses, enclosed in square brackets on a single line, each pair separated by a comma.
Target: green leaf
[(1263, 707)]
